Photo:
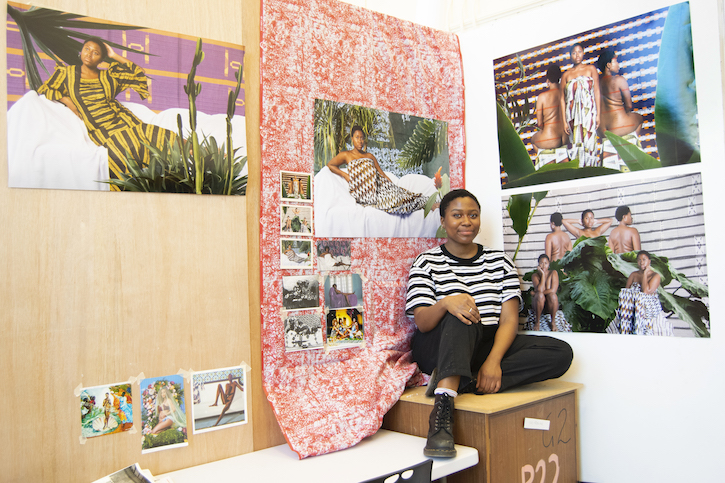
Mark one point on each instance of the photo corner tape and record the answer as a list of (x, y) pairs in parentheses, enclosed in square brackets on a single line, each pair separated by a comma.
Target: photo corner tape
[(141, 376), (78, 389), (132, 430), (245, 366), (185, 374), (82, 439)]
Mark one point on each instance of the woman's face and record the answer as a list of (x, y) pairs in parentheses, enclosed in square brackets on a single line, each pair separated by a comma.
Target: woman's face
[(462, 220), (91, 54), (643, 261), (614, 66), (577, 55), (588, 220), (358, 140)]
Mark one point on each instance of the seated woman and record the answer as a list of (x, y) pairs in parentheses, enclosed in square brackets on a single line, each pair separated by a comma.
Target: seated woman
[(90, 93), (465, 301), (546, 284), (292, 255), (368, 183), (639, 309), (340, 299), (548, 114), (617, 115), (170, 415)]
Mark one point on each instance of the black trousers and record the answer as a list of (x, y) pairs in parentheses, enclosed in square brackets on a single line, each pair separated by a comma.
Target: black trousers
[(457, 349)]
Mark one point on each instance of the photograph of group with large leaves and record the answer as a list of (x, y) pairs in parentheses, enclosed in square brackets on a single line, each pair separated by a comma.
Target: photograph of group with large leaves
[(617, 245)]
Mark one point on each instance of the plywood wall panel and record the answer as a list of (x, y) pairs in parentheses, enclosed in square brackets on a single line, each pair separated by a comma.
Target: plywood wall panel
[(98, 287)]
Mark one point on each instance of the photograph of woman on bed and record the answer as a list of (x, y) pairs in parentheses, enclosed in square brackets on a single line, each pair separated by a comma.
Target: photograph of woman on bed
[(369, 185), (90, 93)]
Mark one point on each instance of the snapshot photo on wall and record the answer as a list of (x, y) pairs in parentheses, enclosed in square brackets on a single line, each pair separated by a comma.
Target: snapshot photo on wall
[(302, 331), (295, 253), (627, 257), (300, 292), (93, 105), (106, 409), (333, 255), (344, 328), (296, 220), (295, 186), (220, 399), (343, 291), (618, 98), (163, 413), (377, 173)]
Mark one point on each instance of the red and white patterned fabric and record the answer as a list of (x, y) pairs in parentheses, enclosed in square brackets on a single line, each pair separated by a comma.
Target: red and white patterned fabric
[(325, 49)]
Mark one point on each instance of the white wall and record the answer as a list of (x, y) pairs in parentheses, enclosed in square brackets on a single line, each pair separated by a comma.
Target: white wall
[(650, 407)]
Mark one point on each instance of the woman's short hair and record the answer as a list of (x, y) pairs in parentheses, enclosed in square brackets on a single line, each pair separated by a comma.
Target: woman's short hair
[(604, 59), (575, 46), (553, 74), (454, 194), (356, 128), (100, 43), (645, 253), (621, 212), (584, 213)]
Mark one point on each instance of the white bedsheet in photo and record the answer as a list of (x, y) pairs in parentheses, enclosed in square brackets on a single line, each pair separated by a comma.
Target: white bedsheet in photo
[(49, 147), (338, 215)]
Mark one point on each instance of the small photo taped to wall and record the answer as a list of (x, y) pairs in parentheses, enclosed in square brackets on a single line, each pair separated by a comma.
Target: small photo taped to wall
[(295, 186)]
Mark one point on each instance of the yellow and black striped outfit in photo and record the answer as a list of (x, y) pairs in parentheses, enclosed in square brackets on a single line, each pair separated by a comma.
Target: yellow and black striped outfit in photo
[(109, 123)]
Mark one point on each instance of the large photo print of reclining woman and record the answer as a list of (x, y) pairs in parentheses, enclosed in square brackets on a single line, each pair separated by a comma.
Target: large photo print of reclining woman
[(378, 173), (97, 105)]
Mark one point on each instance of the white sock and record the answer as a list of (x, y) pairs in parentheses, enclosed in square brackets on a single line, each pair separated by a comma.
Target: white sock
[(444, 390)]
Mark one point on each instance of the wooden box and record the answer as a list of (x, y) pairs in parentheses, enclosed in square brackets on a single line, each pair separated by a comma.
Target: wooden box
[(494, 425)]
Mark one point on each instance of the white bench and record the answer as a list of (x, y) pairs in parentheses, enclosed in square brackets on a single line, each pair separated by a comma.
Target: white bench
[(380, 454)]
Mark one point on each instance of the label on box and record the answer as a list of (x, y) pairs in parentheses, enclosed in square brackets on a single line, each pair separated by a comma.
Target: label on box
[(532, 423)]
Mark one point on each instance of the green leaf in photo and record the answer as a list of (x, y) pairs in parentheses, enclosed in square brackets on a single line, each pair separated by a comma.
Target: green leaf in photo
[(676, 121), (633, 156)]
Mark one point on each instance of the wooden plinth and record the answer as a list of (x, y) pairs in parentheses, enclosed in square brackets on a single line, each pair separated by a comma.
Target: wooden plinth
[(494, 424)]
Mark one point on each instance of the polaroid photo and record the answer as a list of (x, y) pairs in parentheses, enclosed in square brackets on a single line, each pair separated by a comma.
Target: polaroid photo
[(302, 331), (300, 292), (163, 413), (344, 328), (219, 399), (333, 255), (295, 253), (343, 291), (295, 186), (295, 220), (106, 409)]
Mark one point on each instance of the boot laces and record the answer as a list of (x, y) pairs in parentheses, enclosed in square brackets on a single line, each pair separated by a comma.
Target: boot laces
[(444, 414)]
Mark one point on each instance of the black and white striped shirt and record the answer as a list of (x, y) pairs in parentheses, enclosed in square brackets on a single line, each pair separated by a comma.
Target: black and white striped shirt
[(490, 277)]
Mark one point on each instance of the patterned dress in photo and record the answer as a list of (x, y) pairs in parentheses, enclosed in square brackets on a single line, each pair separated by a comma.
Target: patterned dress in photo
[(369, 188), (639, 313), (545, 322), (581, 114)]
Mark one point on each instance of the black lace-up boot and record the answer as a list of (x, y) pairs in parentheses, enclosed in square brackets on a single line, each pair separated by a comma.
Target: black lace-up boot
[(440, 430)]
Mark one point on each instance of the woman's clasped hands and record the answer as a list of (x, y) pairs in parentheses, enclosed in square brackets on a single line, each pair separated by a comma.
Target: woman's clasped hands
[(463, 306)]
